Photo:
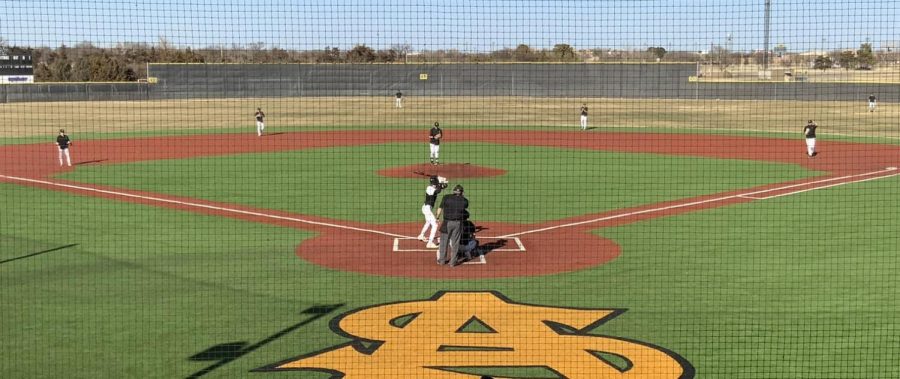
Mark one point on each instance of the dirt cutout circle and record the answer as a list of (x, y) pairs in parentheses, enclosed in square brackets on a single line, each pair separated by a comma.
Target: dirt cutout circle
[(451, 170)]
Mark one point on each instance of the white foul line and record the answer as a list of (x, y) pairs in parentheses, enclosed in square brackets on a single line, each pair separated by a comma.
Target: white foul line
[(204, 206), (747, 195)]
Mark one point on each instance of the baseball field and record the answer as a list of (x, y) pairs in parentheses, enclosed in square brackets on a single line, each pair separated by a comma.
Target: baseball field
[(672, 239)]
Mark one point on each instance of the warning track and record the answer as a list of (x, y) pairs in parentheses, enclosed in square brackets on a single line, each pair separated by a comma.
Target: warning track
[(552, 247)]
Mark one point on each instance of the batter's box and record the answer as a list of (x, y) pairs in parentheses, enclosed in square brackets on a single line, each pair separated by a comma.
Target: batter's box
[(485, 245)]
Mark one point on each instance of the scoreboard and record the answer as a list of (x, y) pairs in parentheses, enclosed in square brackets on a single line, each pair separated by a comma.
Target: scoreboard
[(16, 68)]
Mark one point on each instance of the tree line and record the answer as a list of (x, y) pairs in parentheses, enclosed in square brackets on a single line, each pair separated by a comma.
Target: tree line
[(861, 59), (128, 61)]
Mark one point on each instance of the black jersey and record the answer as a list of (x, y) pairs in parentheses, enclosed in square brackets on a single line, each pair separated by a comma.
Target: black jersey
[(584, 111), (63, 141), (872, 99), (399, 95), (431, 193), (454, 206), (810, 130), (436, 135), (260, 116)]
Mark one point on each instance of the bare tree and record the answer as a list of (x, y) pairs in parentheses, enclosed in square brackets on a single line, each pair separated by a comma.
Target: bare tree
[(657, 52), (564, 52), (361, 54), (524, 53)]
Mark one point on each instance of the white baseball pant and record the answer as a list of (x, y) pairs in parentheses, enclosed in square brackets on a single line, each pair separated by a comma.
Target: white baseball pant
[(430, 221), (64, 153), (435, 150)]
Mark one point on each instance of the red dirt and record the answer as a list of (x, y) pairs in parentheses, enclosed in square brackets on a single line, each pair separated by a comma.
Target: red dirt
[(552, 247), (450, 171)]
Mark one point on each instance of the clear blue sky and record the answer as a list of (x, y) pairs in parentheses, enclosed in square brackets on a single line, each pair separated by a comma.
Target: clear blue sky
[(465, 25)]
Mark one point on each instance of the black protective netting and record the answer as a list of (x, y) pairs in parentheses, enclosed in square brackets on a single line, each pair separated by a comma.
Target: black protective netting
[(450, 189)]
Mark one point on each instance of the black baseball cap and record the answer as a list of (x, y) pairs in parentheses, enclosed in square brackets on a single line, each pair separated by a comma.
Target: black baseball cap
[(458, 188)]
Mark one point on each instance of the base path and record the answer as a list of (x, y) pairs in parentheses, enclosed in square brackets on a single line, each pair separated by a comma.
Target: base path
[(547, 248)]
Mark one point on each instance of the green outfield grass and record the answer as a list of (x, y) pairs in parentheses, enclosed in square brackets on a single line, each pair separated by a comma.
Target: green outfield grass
[(541, 184), (781, 288)]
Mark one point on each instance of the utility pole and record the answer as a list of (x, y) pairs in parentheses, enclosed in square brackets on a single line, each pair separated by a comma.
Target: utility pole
[(766, 38)]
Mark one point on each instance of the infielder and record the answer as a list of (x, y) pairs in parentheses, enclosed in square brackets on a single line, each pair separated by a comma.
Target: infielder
[(434, 137), (872, 102), (260, 122), (63, 142), (399, 101), (809, 131), (583, 116), (436, 184)]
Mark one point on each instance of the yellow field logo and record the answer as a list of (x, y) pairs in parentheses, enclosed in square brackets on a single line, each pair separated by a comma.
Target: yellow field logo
[(470, 334)]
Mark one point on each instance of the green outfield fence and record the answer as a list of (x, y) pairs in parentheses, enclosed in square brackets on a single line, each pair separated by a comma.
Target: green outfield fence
[(653, 189)]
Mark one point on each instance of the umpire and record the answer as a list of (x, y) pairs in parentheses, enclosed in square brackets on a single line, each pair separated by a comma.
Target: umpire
[(454, 208)]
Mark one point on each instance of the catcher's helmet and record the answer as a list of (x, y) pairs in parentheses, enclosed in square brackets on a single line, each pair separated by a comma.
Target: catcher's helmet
[(434, 180)]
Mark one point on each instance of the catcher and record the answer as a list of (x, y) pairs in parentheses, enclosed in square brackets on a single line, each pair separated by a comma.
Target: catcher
[(467, 241)]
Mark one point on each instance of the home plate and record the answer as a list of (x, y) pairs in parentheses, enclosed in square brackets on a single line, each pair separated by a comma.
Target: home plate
[(485, 245)]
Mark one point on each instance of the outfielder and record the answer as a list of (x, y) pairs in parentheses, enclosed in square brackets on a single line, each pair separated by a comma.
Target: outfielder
[(436, 184), (63, 142), (399, 101), (260, 122), (809, 131), (584, 116), (434, 137), (872, 102)]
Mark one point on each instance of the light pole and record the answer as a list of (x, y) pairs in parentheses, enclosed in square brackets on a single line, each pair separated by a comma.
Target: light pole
[(766, 38)]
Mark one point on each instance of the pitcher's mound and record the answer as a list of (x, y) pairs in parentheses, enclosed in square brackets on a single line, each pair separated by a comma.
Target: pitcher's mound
[(450, 170)]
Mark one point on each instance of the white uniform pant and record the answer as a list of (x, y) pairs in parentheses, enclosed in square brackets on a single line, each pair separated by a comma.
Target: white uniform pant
[(583, 122), (871, 106), (260, 127), (64, 153), (435, 150), (399, 102), (810, 146), (430, 221)]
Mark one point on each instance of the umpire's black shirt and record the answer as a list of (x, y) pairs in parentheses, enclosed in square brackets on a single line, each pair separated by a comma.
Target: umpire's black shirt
[(454, 207)]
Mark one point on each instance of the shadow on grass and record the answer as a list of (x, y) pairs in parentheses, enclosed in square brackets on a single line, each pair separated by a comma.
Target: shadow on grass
[(225, 353), (39, 253)]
